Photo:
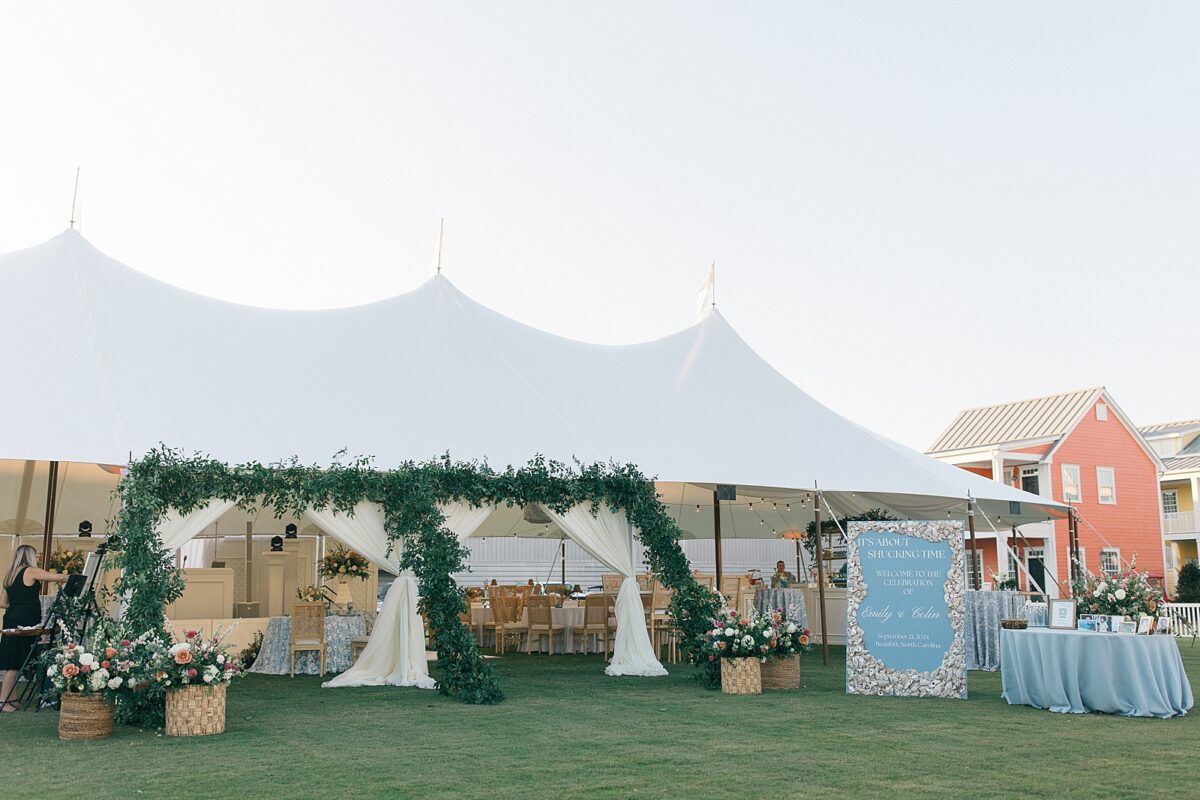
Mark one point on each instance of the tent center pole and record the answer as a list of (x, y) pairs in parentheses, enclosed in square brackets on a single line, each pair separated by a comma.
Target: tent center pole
[(717, 536), (48, 530), (976, 569), (821, 579)]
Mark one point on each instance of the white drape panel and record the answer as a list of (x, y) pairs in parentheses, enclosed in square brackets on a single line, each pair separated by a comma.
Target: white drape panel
[(198, 552), (176, 529), (395, 651), (364, 532), (606, 538)]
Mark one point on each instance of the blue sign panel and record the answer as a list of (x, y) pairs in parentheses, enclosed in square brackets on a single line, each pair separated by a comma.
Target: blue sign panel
[(904, 617)]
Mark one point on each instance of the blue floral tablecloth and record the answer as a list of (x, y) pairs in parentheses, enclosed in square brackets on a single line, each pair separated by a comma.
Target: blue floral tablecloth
[(790, 600), (274, 657), (984, 610)]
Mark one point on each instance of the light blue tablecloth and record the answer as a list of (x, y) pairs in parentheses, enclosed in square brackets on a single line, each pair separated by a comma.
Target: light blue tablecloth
[(274, 657), (1079, 671), (791, 601)]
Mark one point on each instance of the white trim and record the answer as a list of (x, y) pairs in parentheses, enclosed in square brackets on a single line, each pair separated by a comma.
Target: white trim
[(1102, 394)]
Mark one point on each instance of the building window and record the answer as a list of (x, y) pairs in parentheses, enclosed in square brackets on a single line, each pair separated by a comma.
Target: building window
[(1070, 479), (1170, 499), (1110, 562), (1106, 485), (1029, 479), (974, 569), (1101, 412)]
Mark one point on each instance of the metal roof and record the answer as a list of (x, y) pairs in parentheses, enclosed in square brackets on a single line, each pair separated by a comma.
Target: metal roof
[(1182, 463), (1039, 418), (1170, 427)]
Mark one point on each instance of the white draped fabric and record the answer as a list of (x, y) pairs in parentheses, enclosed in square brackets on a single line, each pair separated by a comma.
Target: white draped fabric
[(364, 532), (395, 651), (175, 529), (607, 537)]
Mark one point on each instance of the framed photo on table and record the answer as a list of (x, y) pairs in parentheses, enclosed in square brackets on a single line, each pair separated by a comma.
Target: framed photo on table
[(1163, 626), (1145, 625), (1060, 614)]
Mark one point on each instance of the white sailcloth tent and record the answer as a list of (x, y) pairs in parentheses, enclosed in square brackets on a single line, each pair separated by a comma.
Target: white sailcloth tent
[(114, 362)]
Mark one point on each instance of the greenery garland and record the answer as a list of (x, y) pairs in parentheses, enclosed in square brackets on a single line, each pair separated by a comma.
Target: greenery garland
[(409, 496)]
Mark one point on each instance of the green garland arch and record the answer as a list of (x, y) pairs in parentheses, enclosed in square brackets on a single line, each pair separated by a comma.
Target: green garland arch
[(409, 495)]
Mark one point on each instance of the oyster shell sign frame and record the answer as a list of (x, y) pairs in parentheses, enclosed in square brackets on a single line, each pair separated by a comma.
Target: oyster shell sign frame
[(904, 609)]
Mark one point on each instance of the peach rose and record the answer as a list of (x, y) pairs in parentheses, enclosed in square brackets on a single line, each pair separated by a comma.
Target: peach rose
[(183, 657), (70, 670), (109, 652), (803, 641)]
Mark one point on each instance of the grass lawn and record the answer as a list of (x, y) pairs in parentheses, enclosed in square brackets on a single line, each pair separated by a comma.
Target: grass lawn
[(567, 731)]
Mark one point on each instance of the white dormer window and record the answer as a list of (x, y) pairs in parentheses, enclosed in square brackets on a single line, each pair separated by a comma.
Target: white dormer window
[(1101, 412)]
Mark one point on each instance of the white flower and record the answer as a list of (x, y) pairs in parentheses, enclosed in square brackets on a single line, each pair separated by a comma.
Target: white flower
[(1101, 588), (115, 683), (730, 631), (220, 659), (103, 673), (208, 678), (791, 627), (86, 660), (1111, 597), (178, 646), (52, 670), (748, 641), (95, 681), (1120, 593)]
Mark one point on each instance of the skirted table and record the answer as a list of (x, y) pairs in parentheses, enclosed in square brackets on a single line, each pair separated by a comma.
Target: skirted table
[(1074, 672), (790, 600), (274, 657), (983, 612)]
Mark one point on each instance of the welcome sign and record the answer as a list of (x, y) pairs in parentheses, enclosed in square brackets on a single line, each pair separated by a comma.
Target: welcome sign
[(904, 609)]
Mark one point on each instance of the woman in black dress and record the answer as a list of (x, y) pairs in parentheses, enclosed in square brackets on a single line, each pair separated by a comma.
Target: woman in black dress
[(22, 607)]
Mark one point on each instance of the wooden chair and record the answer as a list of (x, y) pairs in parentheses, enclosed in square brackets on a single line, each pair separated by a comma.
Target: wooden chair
[(707, 581), (596, 609), (308, 631), (661, 623), (357, 645), (611, 583), (506, 618), (541, 623)]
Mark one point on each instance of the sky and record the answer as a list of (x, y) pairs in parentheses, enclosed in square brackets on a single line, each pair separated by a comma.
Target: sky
[(913, 208)]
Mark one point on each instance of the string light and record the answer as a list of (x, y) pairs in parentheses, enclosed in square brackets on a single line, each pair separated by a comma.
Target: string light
[(697, 508), (752, 506), (789, 506)]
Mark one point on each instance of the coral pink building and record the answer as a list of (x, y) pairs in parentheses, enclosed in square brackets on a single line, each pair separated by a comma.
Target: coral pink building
[(1077, 448)]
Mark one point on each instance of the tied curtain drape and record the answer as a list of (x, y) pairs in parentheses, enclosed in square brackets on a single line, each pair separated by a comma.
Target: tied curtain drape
[(395, 651), (175, 529), (608, 538)]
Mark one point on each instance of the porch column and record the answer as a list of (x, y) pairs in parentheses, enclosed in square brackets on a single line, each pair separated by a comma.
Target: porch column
[(1001, 554), (1195, 504), (997, 467), (1050, 559)]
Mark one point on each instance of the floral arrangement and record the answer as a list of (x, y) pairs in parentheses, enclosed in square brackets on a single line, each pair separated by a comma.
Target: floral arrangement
[(68, 562), (103, 667), (736, 636), (342, 562), (311, 594), (194, 660), (1127, 594), (789, 638), (474, 593)]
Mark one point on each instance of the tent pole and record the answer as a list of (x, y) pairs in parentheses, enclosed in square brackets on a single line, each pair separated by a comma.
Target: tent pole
[(48, 530), (564, 562), (799, 572), (249, 562), (821, 580), (717, 536), (976, 570)]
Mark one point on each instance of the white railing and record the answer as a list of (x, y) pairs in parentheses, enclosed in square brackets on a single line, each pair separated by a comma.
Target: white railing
[(1179, 522), (1188, 613)]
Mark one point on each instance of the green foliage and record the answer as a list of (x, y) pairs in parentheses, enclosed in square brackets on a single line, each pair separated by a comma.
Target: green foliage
[(1187, 587), (409, 496)]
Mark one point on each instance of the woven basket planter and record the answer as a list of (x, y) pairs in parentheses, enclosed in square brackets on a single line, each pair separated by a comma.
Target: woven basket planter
[(781, 672), (741, 676), (196, 710), (84, 716)]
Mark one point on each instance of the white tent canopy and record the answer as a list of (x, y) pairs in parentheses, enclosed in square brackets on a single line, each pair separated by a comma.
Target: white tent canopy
[(114, 362)]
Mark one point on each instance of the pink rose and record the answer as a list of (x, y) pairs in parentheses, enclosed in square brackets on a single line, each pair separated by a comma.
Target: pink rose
[(192, 672), (191, 634), (85, 669)]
